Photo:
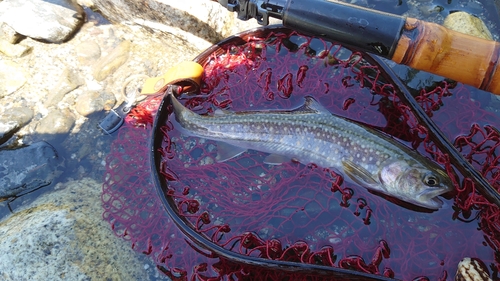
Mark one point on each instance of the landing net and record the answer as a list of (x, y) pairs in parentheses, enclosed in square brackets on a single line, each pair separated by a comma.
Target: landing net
[(296, 212)]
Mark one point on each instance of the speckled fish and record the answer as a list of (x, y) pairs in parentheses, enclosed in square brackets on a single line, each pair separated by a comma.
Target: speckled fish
[(311, 134)]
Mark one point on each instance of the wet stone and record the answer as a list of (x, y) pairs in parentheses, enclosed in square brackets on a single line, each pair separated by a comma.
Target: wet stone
[(27, 168), (110, 63), (68, 81), (91, 102), (53, 21), (12, 77), (12, 120), (56, 122)]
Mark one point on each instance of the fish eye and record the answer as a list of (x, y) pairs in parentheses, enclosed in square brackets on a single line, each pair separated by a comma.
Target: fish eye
[(431, 180)]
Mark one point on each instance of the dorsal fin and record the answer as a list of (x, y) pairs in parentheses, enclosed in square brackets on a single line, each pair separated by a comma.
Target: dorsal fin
[(312, 106)]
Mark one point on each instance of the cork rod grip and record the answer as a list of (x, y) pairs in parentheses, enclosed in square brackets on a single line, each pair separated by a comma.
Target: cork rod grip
[(463, 58)]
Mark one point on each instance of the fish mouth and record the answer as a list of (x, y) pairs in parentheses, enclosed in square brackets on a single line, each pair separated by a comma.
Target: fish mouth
[(432, 196), (432, 193)]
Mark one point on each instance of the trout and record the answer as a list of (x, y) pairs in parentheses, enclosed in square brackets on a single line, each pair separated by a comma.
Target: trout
[(312, 134)]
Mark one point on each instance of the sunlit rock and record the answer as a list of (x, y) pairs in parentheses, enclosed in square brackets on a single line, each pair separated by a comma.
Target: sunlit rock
[(468, 24), (52, 21)]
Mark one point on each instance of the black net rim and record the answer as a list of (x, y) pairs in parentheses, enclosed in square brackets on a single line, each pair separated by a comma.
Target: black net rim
[(186, 227)]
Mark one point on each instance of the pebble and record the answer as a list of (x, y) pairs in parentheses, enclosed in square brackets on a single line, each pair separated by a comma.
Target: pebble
[(12, 120), (68, 81), (53, 21), (116, 58), (87, 52), (13, 50), (468, 24), (12, 76), (91, 102), (56, 122)]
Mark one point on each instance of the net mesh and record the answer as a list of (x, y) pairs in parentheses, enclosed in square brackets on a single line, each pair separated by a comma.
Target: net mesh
[(296, 212)]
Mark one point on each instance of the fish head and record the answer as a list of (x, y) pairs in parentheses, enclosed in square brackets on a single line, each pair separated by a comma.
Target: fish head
[(416, 183)]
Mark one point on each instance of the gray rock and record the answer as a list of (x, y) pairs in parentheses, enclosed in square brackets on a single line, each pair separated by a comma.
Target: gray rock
[(62, 236), (56, 122), (26, 169), (12, 120), (12, 77), (68, 81), (184, 23), (91, 102), (53, 21)]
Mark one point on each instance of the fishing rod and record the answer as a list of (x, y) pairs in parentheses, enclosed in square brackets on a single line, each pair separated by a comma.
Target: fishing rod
[(421, 45)]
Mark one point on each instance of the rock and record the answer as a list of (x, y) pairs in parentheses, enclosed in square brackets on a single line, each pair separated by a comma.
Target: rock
[(53, 21), (68, 81), (116, 58), (87, 52), (10, 35), (468, 24), (12, 120), (56, 122), (27, 168), (177, 20), (12, 77), (62, 236), (13, 50), (91, 102)]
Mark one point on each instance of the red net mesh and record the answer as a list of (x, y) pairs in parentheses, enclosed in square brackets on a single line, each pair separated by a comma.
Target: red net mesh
[(296, 212)]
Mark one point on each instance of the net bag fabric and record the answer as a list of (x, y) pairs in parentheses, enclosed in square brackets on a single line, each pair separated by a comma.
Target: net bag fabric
[(296, 212)]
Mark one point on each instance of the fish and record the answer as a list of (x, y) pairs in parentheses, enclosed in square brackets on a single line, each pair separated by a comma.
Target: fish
[(312, 134)]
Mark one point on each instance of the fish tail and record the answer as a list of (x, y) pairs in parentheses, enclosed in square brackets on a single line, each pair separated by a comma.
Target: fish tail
[(183, 116)]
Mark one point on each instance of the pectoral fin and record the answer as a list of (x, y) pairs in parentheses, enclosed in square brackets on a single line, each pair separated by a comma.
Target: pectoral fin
[(226, 151), (275, 159), (358, 174), (221, 112)]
